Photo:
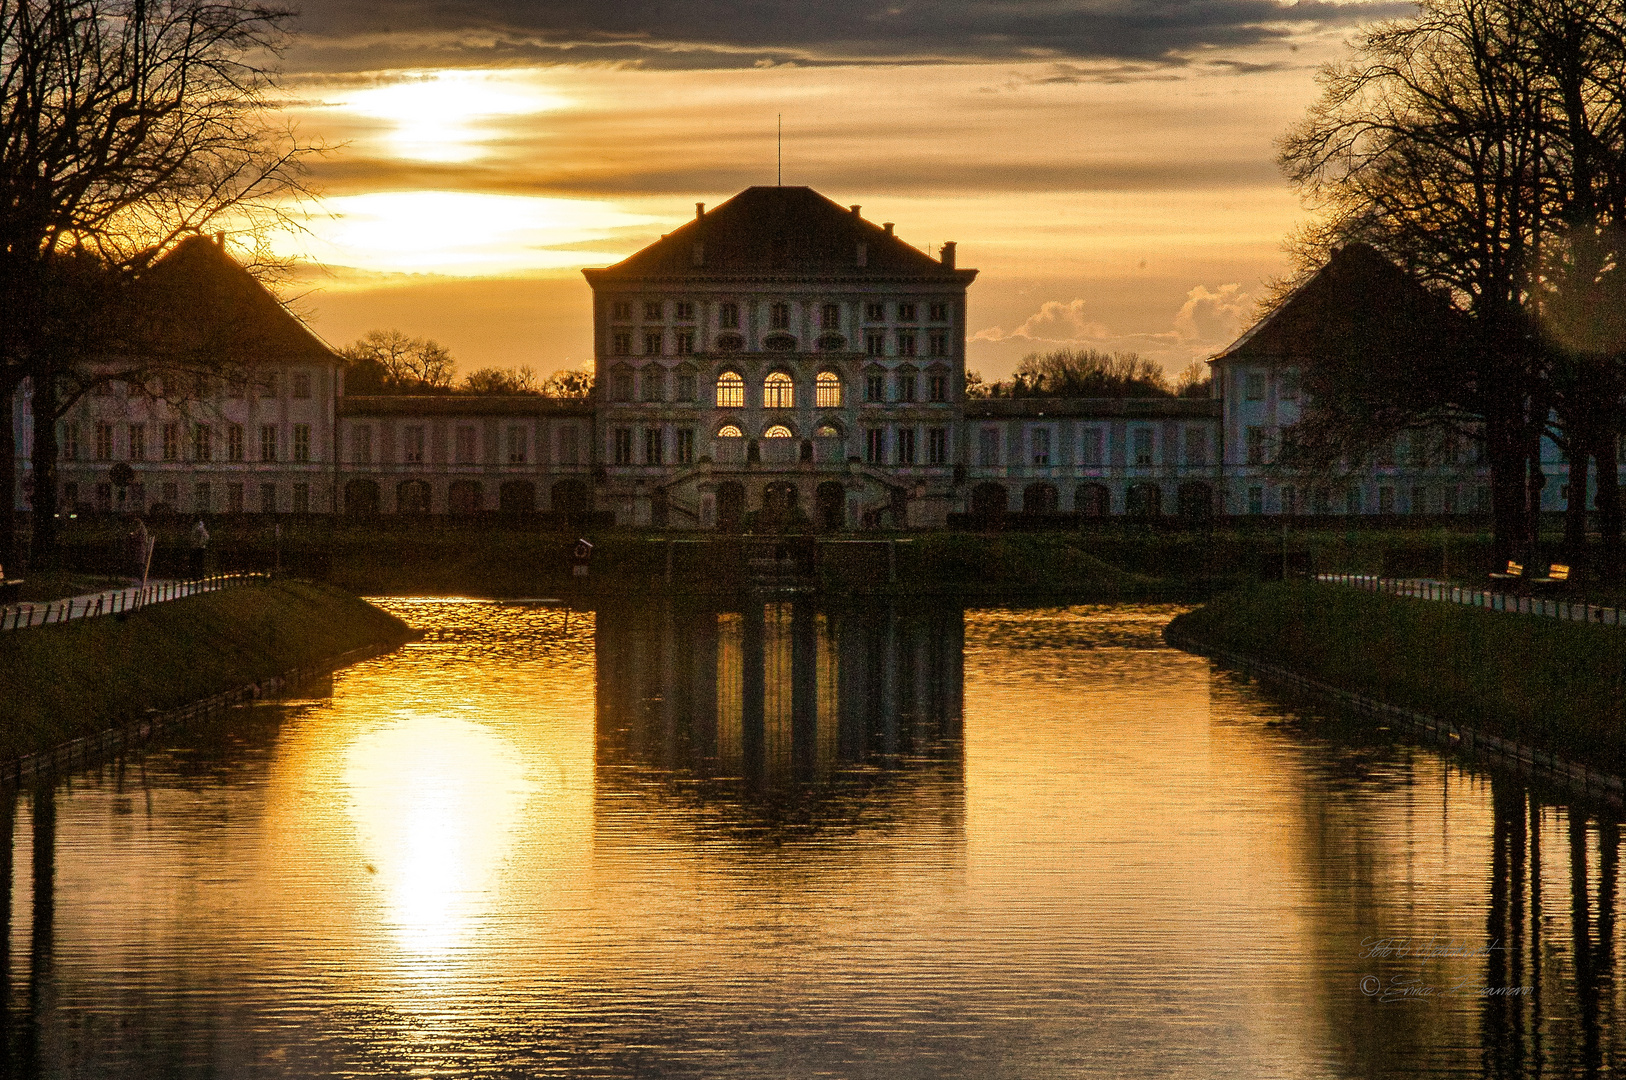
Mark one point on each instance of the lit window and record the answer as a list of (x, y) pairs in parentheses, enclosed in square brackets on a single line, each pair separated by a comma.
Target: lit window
[(730, 431), (778, 392), (730, 391), (827, 431), (827, 390), (778, 431)]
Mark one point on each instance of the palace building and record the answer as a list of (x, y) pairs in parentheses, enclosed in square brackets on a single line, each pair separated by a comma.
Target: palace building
[(777, 360)]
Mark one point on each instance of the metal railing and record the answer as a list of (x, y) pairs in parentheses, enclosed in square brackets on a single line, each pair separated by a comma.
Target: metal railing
[(117, 601), (1512, 603)]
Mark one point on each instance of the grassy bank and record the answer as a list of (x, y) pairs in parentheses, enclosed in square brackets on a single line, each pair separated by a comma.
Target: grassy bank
[(1558, 686), (73, 679)]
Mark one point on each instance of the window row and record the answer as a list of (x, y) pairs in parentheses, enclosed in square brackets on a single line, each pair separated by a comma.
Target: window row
[(779, 312), (1417, 499), (469, 445), (882, 446), (1254, 384), (682, 343), (233, 497), (257, 384), (779, 388), (1039, 446), (196, 442)]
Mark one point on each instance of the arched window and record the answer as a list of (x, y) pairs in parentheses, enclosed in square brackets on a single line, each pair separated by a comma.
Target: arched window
[(828, 430), (778, 392), (730, 390), (730, 431), (827, 390), (779, 431)]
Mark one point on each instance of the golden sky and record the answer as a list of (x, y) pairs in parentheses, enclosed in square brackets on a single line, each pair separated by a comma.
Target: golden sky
[(1109, 169)]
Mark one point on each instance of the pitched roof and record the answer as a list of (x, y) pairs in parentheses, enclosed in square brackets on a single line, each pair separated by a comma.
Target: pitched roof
[(211, 304), (778, 231), (1358, 301)]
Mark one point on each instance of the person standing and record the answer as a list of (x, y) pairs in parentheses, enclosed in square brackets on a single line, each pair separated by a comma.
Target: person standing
[(199, 545)]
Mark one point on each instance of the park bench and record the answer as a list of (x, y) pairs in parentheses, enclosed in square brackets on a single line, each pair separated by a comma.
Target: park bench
[(1514, 572), (1557, 574)]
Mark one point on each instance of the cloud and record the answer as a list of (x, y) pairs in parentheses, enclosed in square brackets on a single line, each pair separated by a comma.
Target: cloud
[(372, 34), (1213, 317), (1055, 323)]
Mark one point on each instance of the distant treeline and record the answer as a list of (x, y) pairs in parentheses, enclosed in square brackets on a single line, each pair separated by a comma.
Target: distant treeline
[(390, 362), (1091, 373)]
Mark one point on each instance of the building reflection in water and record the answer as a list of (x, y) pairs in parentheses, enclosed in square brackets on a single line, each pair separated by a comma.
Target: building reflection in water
[(775, 694)]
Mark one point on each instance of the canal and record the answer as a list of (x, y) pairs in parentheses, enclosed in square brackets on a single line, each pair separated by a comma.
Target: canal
[(801, 841)]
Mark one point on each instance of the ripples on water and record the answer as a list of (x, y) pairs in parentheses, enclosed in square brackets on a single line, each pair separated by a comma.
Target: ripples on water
[(788, 841)]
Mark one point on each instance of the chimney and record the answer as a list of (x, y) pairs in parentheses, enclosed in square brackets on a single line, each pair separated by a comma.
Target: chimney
[(699, 210), (948, 255), (220, 240), (886, 227), (698, 255), (854, 209), (863, 254)]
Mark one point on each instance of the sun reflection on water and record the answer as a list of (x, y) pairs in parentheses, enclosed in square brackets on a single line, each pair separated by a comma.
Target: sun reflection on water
[(435, 801)]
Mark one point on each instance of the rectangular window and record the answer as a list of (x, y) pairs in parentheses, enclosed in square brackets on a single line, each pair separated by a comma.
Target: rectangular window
[(1386, 500), (683, 310), (653, 341), (874, 387), (875, 446), (830, 317), (906, 313), (172, 442), (938, 387), (1256, 500), (237, 386), (906, 446), (683, 342), (234, 442), (172, 495), (621, 311), (779, 316), (685, 386), (268, 498), (874, 312), (728, 315), (653, 449), (1288, 385), (1253, 386), (939, 311), (1419, 500), (937, 343), (202, 448), (906, 388), (70, 442), (138, 442), (653, 378), (267, 384), (906, 343), (1196, 446), (569, 446), (467, 451), (1255, 445), (300, 384), (361, 444), (268, 442), (988, 448), (234, 498), (652, 311), (302, 498), (104, 442), (202, 502), (937, 446), (621, 385), (875, 342), (1143, 448), (516, 445), (413, 448), (1039, 440), (623, 446), (1093, 451), (70, 495), (302, 442), (1290, 499), (621, 343), (685, 446)]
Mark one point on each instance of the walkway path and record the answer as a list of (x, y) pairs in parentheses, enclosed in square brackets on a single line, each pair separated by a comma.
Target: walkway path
[(1429, 589), (115, 601)]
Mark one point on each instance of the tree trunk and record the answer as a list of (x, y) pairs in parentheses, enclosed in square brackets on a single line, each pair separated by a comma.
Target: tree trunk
[(1535, 481), (8, 480), (1609, 507), (1580, 455), (1507, 468), (44, 498)]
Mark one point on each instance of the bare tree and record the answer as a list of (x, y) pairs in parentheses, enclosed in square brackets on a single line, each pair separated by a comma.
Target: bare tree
[(124, 126), (390, 362), (569, 384), (1087, 373), (495, 380)]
